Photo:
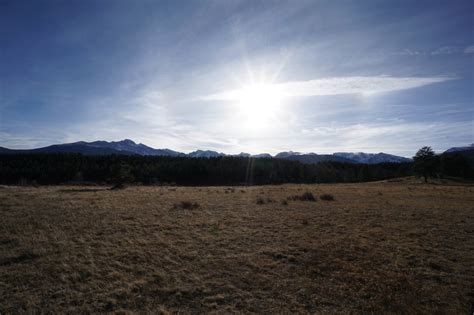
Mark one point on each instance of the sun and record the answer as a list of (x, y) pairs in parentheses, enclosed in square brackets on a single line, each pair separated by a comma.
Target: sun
[(259, 104)]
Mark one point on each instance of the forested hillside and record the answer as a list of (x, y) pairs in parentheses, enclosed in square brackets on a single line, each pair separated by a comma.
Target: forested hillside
[(63, 168), (66, 168)]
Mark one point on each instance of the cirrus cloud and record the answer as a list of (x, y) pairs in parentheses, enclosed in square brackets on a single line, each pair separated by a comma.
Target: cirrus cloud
[(338, 86)]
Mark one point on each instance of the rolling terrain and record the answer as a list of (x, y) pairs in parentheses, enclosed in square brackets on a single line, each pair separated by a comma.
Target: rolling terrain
[(397, 246), (129, 147)]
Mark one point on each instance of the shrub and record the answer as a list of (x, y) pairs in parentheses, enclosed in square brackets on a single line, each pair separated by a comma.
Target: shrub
[(306, 196), (188, 205), (284, 203), (327, 197), (260, 201)]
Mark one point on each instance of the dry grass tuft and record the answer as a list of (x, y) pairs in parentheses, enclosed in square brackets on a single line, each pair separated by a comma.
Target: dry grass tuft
[(118, 187), (327, 197), (187, 205), (24, 257), (306, 196)]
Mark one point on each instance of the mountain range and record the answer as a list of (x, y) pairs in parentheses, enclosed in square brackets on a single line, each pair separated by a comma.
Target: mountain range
[(129, 147), (458, 149), (467, 152)]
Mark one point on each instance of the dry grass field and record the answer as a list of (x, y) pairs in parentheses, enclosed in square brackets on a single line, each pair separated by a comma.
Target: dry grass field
[(391, 247)]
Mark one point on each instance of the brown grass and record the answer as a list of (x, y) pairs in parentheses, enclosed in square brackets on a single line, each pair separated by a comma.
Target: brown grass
[(396, 247)]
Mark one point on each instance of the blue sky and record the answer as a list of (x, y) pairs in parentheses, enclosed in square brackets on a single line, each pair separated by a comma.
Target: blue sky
[(232, 76)]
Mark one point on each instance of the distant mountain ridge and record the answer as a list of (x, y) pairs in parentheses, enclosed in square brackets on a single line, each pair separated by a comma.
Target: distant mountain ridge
[(312, 158), (372, 158), (457, 149), (467, 152), (124, 147), (129, 147), (205, 154)]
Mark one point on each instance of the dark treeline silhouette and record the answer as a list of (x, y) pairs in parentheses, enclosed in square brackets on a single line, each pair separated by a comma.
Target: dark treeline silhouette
[(64, 168), (118, 169), (455, 164), (427, 164)]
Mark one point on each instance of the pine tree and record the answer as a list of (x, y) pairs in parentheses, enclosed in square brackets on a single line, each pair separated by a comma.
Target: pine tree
[(425, 163)]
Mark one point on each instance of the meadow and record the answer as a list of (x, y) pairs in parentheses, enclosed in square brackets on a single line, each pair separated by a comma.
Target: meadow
[(398, 246)]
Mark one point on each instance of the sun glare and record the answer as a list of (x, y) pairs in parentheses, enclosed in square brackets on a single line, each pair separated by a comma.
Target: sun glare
[(259, 104)]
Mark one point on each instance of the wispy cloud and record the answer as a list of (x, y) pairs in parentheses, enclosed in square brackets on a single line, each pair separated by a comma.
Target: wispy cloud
[(446, 50), (409, 52), (469, 49), (338, 86), (443, 50)]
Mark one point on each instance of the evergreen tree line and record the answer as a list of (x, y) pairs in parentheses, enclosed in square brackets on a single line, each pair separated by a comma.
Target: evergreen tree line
[(427, 164), (47, 169)]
